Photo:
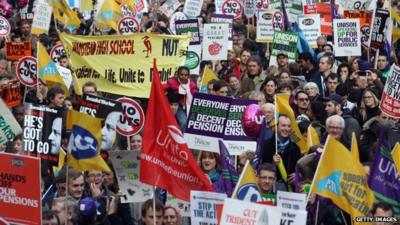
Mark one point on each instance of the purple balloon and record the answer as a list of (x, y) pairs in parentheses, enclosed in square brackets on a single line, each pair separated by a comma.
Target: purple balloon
[(22, 3), (6, 9), (251, 120)]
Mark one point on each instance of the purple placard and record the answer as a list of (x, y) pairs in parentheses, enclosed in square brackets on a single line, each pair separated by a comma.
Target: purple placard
[(183, 27), (208, 115), (233, 129)]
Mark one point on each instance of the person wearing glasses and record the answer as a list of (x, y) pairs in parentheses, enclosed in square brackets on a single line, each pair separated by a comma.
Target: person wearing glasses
[(302, 103), (267, 182)]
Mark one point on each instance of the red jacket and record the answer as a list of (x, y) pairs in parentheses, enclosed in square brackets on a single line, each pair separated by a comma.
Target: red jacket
[(173, 85)]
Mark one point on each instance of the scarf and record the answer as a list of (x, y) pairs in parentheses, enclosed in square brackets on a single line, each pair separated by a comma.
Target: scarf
[(184, 89), (213, 175), (282, 145)]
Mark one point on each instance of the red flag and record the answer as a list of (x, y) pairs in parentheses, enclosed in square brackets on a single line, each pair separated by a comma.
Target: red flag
[(166, 160)]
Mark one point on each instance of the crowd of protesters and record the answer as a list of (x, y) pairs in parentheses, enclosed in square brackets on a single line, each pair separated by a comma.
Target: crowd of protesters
[(335, 95)]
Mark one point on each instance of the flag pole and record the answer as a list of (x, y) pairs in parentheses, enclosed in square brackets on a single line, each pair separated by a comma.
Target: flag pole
[(154, 206), (240, 178)]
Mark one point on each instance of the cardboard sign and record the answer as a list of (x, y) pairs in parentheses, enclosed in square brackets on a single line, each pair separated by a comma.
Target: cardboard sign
[(232, 7), (291, 200), (347, 37), (390, 101), (214, 41), (26, 71), (5, 27), (17, 50), (203, 207), (127, 171), (311, 27), (184, 27), (41, 18), (11, 94), (256, 214), (131, 120), (20, 190), (9, 127), (380, 23), (192, 8), (128, 25)]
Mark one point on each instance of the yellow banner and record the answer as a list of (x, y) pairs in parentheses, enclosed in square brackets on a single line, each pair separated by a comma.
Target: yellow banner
[(123, 64), (343, 180)]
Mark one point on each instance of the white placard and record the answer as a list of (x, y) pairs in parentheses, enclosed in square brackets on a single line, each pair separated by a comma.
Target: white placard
[(192, 8), (265, 29), (175, 17), (41, 18), (169, 7), (203, 207), (214, 41), (256, 214), (65, 74), (347, 37), (291, 200), (9, 127), (311, 26)]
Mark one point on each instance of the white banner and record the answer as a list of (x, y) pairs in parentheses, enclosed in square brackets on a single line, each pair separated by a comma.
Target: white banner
[(9, 127), (311, 26), (256, 214), (203, 207), (291, 200), (347, 37), (215, 41)]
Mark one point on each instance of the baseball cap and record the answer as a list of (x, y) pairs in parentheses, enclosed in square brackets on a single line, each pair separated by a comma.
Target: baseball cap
[(88, 207), (335, 98), (282, 54)]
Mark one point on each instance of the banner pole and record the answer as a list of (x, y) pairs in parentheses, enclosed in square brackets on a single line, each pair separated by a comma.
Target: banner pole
[(376, 59), (128, 139), (154, 206)]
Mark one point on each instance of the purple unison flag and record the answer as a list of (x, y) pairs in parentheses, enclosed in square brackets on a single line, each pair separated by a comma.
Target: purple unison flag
[(384, 180), (229, 173)]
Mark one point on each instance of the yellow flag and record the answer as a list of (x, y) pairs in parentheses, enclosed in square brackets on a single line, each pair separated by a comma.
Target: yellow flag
[(340, 178), (61, 160), (247, 187), (396, 156), (396, 25), (48, 71), (109, 15), (208, 75), (283, 107), (86, 6), (84, 142), (65, 15), (354, 148), (312, 137)]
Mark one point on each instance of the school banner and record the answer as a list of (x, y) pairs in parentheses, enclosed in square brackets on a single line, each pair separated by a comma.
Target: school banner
[(123, 64), (109, 111), (9, 127), (20, 190), (257, 214), (381, 18), (203, 207), (347, 37), (235, 140), (311, 27), (42, 132), (390, 101), (127, 171), (286, 43), (184, 27), (17, 50)]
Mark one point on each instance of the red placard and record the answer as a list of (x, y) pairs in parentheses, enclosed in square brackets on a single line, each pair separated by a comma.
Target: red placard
[(324, 9), (17, 50), (20, 189)]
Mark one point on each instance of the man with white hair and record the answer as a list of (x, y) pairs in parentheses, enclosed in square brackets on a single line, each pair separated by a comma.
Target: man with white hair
[(335, 126)]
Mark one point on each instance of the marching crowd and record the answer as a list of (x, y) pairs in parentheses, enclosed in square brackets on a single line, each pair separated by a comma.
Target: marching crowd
[(337, 96)]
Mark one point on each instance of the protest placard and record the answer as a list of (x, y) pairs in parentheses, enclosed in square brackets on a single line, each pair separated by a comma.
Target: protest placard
[(26, 71), (324, 9), (249, 8), (265, 29), (380, 23), (5, 27), (131, 121), (107, 60), (11, 93), (20, 190), (390, 101), (182, 206), (56, 52), (365, 23), (169, 7), (193, 59), (176, 17), (354, 4), (256, 214), (203, 207), (235, 140), (17, 50), (192, 8), (106, 109), (206, 122), (128, 25), (311, 27), (232, 7), (214, 41), (41, 18), (291, 200), (42, 132), (221, 18), (347, 37), (284, 43), (9, 127), (26, 12), (184, 27), (127, 166), (65, 74)]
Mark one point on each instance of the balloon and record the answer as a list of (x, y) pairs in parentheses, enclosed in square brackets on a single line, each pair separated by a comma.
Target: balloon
[(22, 3), (6, 9), (251, 120)]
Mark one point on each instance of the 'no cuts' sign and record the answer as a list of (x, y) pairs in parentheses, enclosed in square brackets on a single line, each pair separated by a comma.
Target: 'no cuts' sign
[(26, 71), (5, 27), (131, 120), (128, 25), (232, 7), (56, 52)]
